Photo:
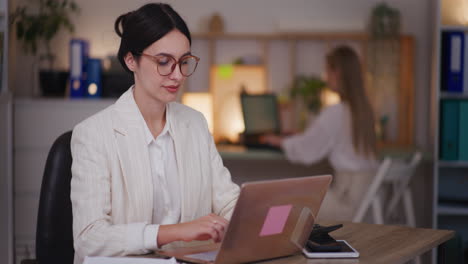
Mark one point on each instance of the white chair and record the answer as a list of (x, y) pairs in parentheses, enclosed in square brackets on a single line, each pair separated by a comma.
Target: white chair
[(397, 174), (399, 178), (371, 198)]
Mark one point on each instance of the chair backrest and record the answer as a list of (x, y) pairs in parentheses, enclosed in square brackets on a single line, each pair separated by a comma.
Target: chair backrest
[(371, 194), (54, 236), (399, 177), (395, 172)]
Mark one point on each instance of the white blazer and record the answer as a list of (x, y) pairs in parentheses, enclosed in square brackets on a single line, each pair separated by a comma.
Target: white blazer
[(112, 188)]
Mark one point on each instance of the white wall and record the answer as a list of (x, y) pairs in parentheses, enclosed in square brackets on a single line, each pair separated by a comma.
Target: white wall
[(97, 18)]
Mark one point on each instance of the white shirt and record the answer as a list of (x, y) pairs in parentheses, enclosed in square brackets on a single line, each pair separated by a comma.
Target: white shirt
[(329, 135), (166, 187)]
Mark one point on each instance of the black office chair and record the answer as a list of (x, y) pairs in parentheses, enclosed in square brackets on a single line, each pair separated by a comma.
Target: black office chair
[(54, 234)]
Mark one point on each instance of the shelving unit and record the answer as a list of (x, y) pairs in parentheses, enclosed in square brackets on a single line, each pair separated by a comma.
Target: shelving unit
[(450, 201), (406, 72), (291, 38)]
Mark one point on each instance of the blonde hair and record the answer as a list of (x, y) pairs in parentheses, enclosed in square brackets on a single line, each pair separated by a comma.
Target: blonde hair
[(350, 81)]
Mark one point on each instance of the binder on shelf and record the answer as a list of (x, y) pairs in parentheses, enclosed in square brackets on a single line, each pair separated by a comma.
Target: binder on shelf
[(453, 61), (94, 84), (79, 52), (449, 129), (465, 68), (463, 131)]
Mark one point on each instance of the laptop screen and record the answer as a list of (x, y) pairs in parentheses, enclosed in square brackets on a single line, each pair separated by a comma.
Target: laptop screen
[(260, 112)]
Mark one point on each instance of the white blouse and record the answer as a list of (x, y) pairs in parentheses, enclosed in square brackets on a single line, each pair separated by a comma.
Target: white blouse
[(329, 135), (166, 190)]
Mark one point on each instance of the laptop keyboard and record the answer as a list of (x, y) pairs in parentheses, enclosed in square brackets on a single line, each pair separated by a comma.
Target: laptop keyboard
[(207, 256)]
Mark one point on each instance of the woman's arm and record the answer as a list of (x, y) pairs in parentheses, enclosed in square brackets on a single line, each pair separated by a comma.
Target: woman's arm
[(207, 227), (319, 138), (224, 192), (93, 230), (272, 139), (224, 197)]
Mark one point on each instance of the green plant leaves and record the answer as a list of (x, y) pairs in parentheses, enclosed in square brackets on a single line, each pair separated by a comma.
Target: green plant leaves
[(309, 89), (34, 29)]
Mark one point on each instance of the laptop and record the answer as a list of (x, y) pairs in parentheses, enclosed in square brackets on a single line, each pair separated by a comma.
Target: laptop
[(261, 116), (271, 219)]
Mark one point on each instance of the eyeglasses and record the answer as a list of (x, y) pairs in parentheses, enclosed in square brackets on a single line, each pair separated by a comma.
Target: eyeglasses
[(166, 64)]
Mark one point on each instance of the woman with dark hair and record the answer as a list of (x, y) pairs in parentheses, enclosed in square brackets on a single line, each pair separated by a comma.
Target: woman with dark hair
[(344, 133), (146, 172)]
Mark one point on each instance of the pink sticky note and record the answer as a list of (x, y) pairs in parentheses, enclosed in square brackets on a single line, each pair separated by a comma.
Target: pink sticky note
[(275, 220)]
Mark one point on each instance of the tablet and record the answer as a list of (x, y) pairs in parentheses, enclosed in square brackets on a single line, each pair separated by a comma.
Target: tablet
[(347, 251)]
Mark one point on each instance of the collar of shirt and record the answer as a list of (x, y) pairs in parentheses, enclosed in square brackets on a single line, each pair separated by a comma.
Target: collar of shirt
[(149, 137)]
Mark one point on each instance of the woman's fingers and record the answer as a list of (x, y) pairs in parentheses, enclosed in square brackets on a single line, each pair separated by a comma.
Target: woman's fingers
[(220, 229), (207, 227), (219, 225), (219, 219)]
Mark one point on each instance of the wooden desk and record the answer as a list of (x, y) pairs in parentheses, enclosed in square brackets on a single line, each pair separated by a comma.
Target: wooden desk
[(380, 243), (377, 244)]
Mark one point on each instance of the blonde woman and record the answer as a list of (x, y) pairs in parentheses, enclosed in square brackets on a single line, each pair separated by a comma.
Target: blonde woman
[(343, 133)]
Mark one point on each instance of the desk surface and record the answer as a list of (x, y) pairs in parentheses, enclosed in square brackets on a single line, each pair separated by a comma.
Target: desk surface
[(381, 243), (378, 244)]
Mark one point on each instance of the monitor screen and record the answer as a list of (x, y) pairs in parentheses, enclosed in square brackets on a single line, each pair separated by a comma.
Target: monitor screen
[(260, 112)]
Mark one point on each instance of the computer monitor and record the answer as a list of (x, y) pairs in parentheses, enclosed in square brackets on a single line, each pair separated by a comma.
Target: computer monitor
[(260, 112)]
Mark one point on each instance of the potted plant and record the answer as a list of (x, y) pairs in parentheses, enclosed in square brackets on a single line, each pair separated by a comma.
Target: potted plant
[(307, 89), (35, 29)]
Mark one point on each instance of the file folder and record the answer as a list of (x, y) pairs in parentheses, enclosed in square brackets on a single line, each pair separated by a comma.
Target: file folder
[(465, 66), (79, 52), (453, 60), (463, 131), (94, 84), (449, 129)]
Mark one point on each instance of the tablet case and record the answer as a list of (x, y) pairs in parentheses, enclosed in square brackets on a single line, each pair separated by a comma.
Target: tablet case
[(321, 241)]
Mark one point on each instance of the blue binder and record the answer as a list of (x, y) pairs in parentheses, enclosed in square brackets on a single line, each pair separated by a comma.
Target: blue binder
[(449, 129), (79, 52), (453, 62), (94, 86), (463, 131)]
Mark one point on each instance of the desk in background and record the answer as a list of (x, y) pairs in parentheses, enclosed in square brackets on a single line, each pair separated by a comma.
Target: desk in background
[(262, 164)]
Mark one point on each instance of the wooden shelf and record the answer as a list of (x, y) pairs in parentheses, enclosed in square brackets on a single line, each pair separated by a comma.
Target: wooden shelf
[(447, 95), (450, 209), (454, 27), (453, 164), (406, 81), (357, 36)]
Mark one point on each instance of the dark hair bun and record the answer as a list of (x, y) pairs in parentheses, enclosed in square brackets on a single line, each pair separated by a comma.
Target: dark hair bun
[(141, 28), (119, 25)]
